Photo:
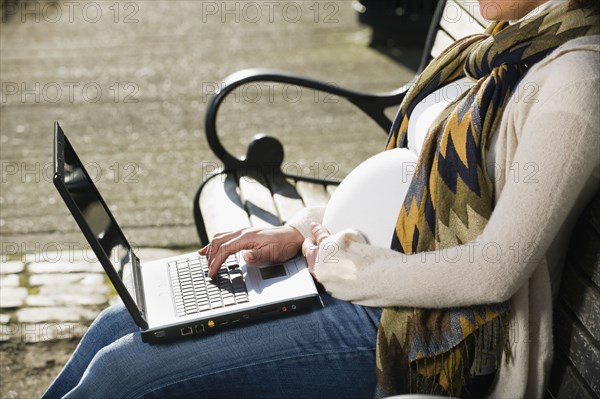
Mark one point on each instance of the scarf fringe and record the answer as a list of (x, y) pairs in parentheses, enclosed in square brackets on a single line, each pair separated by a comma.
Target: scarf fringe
[(448, 372)]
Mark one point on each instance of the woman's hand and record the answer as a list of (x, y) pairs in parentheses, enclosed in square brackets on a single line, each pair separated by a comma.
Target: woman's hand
[(310, 246), (275, 244)]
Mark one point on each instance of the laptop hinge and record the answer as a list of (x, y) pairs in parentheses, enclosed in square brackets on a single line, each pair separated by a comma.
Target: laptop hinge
[(138, 285)]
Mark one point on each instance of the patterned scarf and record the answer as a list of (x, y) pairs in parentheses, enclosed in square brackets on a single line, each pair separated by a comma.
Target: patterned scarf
[(451, 197)]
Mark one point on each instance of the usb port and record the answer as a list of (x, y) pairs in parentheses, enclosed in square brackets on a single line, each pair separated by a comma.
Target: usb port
[(187, 331)]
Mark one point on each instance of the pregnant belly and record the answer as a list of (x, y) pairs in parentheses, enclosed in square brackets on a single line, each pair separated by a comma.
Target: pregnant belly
[(370, 197)]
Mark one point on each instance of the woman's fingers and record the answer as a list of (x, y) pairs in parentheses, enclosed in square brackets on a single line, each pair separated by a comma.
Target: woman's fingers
[(218, 254), (310, 247), (309, 250), (221, 246), (216, 241), (319, 232)]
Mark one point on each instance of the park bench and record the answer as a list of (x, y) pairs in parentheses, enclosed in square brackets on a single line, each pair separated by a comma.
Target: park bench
[(254, 191)]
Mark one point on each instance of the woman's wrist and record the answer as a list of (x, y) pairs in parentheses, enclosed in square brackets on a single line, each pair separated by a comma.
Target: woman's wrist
[(293, 235)]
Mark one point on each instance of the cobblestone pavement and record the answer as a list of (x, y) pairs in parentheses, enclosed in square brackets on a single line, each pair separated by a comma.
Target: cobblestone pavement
[(46, 305), (57, 297), (129, 81)]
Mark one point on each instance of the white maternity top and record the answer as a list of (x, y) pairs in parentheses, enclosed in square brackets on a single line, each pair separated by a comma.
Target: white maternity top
[(369, 198)]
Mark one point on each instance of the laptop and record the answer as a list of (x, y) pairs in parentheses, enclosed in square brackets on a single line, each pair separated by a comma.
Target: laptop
[(173, 297)]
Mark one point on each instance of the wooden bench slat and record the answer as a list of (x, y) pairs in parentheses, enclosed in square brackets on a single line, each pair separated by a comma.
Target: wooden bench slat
[(471, 7), (257, 199), (221, 205), (312, 194), (258, 221), (572, 340), (458, 23), (286, 198), (331, 189), (583, 298), (442, 41), (569, 384), (460, 18)]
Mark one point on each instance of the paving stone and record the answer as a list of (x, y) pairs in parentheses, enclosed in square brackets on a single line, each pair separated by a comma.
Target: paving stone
[(42, 332), (12, 297), (64, 267), (88, 279), (65, 300), (9, 280), (4, 337), (4, 318), (71, 252), (100, 289), (50, 314), (8, 331), (12, 266)]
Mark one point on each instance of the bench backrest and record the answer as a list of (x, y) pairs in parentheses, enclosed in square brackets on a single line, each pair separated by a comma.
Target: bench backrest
[(576, 366), (453, 20)]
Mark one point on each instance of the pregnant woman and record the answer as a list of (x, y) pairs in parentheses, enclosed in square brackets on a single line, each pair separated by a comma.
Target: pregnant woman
[(439, 258)]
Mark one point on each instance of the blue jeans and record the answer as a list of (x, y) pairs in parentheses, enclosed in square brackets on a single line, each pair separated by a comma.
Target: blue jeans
[(327, 352)]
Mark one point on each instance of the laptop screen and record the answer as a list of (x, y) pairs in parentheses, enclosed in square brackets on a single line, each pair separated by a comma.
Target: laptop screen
[(97, 224), (93, 209)]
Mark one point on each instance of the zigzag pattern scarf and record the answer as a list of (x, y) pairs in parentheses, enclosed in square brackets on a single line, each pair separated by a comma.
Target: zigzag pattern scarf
[(451, 196)]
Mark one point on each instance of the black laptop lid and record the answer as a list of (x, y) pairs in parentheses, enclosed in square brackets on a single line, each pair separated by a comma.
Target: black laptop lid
[(95, 221)]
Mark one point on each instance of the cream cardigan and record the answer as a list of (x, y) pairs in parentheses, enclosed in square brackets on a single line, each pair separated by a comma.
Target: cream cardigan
[(549, 153)]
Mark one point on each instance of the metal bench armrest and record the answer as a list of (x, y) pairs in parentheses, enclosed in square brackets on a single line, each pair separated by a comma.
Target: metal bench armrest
[(373, 105)]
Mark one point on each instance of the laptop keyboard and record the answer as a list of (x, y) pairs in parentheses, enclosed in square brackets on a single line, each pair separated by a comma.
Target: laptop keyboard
[(195, 292)]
